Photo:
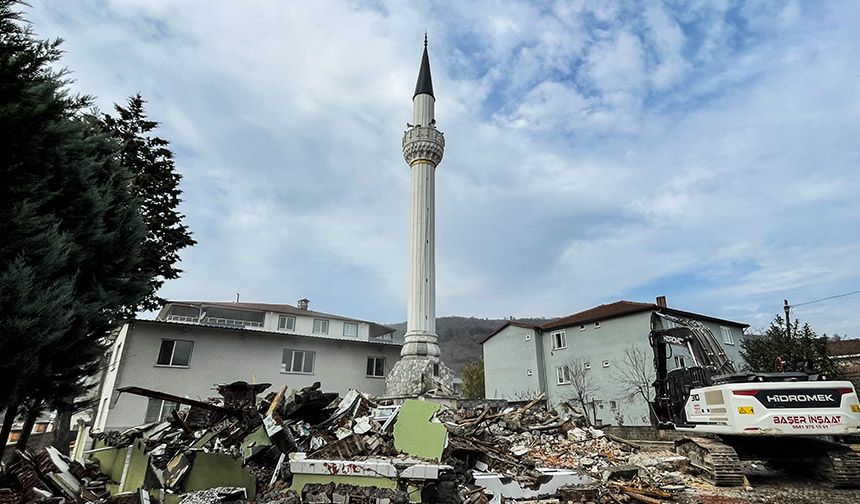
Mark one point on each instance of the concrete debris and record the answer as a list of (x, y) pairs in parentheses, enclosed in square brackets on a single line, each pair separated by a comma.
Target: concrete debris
[(215, 496), (306, 445)]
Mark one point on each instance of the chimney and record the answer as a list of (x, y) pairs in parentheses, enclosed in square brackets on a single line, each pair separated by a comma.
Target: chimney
[(302, 304), (661, 301)]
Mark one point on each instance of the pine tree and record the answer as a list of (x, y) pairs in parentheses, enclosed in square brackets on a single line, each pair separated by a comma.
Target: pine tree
[(156, 185), (792, 348), (70, 260)]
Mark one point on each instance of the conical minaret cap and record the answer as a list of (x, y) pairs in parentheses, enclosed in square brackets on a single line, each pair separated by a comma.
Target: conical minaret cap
[(425, 82)]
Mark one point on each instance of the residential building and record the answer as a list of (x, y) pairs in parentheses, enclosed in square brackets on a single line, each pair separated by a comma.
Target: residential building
[(595, 346), (193, 345)]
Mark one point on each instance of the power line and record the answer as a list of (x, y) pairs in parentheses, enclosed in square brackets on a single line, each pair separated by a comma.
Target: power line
[(826, 298)]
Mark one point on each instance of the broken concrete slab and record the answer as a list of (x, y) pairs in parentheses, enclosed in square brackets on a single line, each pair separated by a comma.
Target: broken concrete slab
[(623, 472), (500, 485)]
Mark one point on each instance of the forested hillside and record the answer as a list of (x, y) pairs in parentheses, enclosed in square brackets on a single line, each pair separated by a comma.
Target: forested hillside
[(460, 337)]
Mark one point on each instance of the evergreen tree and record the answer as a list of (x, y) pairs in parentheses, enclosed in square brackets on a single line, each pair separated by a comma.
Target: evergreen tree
[(473, 380), (156, 185), (789, 348), (70, 260)]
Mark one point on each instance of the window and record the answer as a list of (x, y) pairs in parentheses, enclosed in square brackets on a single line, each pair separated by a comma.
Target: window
[(597, 325), (528, 372), (158, 410), (528, 337), (187, 314), (582, 327), (436, 370), (606, 363), (586, 366), (298, 361), (613, 405), (680, 362), (727, 335), (562, 375), (376, 367), (350, 329), (175, 353), (320, 326), (558, 341), (668, 324), (287, 323)]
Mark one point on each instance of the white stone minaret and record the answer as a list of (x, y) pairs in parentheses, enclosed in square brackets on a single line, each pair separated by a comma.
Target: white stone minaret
[(420, 368)]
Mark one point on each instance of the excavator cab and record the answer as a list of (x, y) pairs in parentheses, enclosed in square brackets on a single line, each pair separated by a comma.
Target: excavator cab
[(681, 383)]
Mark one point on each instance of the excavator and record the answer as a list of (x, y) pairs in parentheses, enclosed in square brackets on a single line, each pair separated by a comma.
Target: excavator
[(787, 419)]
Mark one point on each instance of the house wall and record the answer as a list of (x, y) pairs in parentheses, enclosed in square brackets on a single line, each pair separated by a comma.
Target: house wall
[(594, 345), (513, 352), (733, 351), (111, 374), (506, 357), (226, 355)]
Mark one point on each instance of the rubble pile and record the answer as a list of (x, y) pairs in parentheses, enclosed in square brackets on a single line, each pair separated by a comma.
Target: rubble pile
[(51, 478), (535, 437), (306, 445)]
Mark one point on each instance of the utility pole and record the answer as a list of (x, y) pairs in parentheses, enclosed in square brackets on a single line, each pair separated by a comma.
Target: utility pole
[(787, 308)]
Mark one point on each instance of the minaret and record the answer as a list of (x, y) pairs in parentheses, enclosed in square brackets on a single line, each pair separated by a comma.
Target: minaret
[(420, 368)]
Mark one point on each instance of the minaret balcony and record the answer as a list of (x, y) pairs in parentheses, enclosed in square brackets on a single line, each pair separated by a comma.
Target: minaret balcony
[(423, 143)]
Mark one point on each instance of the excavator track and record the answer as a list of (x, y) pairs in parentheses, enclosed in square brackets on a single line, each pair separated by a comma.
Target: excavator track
[(718, 462), (840, 466)]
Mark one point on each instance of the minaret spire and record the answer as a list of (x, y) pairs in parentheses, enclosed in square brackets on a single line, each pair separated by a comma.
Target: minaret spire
[(425, 82), (420, 368)]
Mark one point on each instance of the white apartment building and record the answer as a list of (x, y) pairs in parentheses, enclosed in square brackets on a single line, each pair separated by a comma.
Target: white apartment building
[(193, 345)]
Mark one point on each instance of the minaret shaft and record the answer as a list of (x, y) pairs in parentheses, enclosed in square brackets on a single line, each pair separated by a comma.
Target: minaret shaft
[(423, 111), (421, 311)]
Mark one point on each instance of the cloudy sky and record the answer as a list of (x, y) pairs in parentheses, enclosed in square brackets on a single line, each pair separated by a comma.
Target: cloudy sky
[(707, 151)]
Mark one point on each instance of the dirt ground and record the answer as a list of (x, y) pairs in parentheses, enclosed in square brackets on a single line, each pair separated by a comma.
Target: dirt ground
[(771, 487)]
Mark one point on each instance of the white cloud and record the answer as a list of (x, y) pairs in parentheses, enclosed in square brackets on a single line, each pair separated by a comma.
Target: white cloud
[(594, 151)]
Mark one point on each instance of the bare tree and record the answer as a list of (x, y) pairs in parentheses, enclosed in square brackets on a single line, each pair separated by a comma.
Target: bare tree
[(525, 395), (581, 381), (636, 375)]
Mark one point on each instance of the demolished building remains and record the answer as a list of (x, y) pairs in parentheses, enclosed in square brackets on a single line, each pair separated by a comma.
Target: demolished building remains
[(307, 445)]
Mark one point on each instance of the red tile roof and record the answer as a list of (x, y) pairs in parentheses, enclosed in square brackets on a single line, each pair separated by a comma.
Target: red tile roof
[(602, 312), (507, 323), (843, 347), (609, 311)]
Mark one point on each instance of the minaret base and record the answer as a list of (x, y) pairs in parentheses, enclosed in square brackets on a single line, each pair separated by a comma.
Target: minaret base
[(413, 377)]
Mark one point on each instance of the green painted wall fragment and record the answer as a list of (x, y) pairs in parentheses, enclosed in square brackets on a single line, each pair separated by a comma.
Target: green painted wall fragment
[(137, 467), (209, 470), (415, 434), (255, 442), (112, 462)]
